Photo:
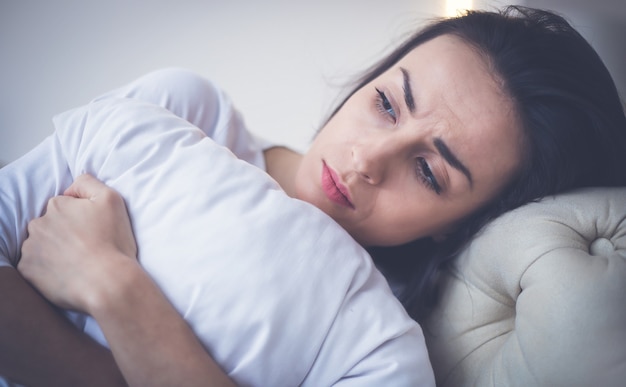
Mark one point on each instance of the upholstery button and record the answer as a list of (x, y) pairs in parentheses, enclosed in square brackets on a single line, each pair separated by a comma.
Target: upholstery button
[(601, 246)]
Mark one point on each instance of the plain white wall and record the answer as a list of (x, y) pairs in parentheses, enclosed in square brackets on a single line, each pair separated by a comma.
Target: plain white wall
[(279, 60), (282, 61)]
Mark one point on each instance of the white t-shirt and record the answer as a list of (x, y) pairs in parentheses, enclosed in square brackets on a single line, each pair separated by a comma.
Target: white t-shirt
[(277, 291)]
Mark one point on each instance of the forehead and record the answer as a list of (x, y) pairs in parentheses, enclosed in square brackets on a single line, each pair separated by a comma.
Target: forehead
[(454, 78), (461, 98)]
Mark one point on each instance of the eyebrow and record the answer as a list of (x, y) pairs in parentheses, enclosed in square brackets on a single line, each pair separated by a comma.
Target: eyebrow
[(408, 93), (441, 146), (451, 159)]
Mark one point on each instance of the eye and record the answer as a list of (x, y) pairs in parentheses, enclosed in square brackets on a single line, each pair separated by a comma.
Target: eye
[(384, 106), (425, 174)]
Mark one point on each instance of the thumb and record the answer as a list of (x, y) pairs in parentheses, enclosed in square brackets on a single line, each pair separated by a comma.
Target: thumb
[(85, 187)]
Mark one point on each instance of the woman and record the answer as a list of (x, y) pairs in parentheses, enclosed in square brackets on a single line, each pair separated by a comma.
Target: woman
[(471, 117)]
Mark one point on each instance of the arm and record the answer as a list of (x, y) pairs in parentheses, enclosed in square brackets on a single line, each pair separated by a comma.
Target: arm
[(96, 272), (38, 346), (20, 202)]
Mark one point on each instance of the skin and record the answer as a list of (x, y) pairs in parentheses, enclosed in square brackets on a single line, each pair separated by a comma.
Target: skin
[(380, 149), (384, 155), (96, 272), (33, 334)]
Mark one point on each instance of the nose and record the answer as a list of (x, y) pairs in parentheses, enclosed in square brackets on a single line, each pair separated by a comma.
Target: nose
[(373, 157)]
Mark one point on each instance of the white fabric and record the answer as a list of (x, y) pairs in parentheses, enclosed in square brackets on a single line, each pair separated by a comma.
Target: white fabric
[(276, 290)]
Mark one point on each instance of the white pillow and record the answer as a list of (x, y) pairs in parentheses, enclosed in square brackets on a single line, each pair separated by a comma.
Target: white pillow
[(275, 289)]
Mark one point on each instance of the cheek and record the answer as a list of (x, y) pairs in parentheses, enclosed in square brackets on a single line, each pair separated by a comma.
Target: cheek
[(393, 222), (423, 217), (305, 178), (348, 122), (497, 177), (325, 139)]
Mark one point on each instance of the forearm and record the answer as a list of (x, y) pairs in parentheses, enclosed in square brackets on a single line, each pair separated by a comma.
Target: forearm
[(151, 342), (38, 346)]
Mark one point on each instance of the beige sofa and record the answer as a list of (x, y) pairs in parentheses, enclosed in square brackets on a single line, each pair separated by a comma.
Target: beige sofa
[(538, 298)]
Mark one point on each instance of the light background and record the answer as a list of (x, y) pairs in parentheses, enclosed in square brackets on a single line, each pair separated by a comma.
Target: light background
[(282, 61)]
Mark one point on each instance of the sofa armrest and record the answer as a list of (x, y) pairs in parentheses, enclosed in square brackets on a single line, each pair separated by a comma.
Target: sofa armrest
[(538, 298)]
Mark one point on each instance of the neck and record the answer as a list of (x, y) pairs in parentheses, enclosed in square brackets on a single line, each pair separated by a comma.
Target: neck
[(282, 164)]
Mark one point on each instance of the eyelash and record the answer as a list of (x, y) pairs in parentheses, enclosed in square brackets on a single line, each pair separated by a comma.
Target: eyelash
[(384, 106), (423, 170), (426, 175)]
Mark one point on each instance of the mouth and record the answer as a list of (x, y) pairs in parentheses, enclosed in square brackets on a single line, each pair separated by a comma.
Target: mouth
[(332, 187)]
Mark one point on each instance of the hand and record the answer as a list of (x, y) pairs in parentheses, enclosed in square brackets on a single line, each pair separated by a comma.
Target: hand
[(78, 246)]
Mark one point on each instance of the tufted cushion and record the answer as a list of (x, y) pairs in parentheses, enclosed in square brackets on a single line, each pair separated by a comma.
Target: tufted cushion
[(538, 298)]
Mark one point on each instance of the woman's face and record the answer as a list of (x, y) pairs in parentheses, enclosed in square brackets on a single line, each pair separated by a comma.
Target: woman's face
[(417, 149)]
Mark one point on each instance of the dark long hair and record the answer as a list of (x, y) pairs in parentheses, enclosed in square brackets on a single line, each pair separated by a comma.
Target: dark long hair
[(570, 112)]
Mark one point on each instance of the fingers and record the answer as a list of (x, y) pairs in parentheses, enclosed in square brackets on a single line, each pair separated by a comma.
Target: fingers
[(57, 203), (38, 227), (28, 247), (85, 187), (88, 187)]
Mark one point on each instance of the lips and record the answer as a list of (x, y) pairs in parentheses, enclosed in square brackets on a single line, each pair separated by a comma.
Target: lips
[(334, 190)]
